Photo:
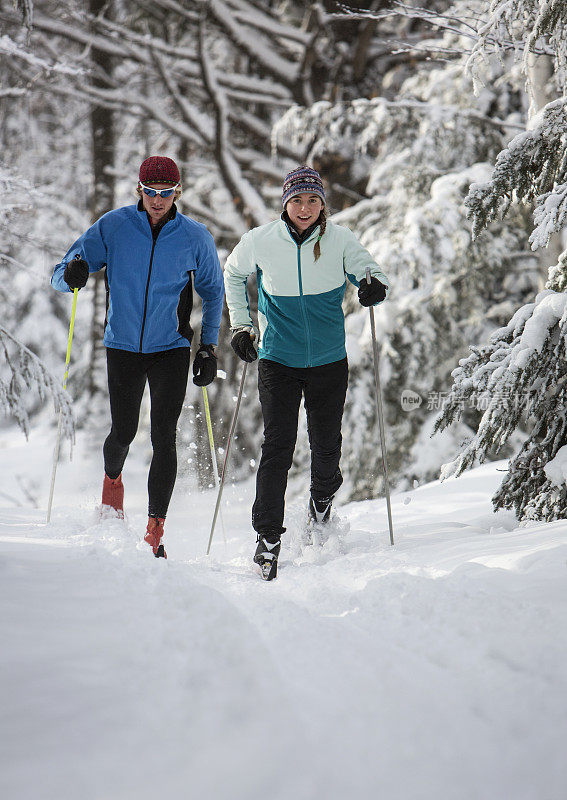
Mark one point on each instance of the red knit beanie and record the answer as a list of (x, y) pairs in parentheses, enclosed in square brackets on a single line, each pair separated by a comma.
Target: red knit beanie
[(159, 169)]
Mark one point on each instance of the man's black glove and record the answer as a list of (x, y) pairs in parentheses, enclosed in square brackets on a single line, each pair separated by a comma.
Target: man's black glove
[(371, 293), (242, 344), (204, 365), (76, 273)]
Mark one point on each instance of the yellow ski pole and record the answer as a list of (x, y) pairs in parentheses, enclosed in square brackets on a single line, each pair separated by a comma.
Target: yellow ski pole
[(66, 375), (213, 451)]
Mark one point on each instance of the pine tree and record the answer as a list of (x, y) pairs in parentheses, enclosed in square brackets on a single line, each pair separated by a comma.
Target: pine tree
[(414, 158), (521, 373), (21, 370)]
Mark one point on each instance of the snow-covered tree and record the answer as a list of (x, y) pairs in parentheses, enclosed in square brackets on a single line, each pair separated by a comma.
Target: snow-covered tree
[(44, 194), (204, 83), (21, 370), (521, 372), (414, 158)]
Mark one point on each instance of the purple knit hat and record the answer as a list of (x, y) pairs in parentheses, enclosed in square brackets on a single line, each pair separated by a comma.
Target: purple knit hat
[(302, 179), (159, 169)]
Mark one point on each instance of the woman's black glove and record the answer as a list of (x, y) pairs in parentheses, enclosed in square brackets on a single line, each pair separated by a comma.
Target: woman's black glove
[(371, 293), (204, 365), (241, 342), (76, 273)]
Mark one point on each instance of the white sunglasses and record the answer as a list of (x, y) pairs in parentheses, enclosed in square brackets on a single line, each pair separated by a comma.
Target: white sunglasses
[(162, 192)]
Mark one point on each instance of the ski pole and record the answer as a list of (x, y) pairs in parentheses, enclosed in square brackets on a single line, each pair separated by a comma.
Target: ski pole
[(232, 427), (213, 452), (65, 376), (380, 413)]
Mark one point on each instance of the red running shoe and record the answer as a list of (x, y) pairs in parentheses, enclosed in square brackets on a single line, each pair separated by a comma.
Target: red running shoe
[(113, 494), (153, 536)]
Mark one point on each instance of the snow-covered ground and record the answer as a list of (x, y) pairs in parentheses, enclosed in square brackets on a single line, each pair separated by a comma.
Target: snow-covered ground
[(433, 669)]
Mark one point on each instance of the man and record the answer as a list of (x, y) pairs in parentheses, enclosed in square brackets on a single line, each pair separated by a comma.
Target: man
[(151, 253)]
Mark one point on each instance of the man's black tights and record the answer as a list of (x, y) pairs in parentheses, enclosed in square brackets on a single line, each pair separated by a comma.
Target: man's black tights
[(166, 373)]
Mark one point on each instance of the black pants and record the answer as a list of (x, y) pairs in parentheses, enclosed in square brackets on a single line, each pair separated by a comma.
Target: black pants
[(281, 389), (166, 373)]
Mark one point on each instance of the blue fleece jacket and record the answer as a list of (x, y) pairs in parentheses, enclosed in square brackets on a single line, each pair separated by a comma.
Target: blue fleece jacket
[(149, 280)]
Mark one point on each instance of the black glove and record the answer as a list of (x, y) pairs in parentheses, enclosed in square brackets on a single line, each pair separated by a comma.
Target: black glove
[(242, 344), (371, 293), (76, 273), (204, 365)]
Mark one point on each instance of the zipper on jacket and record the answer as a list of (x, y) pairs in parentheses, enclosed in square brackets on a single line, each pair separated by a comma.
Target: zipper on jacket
[(147, 292), (302, 306)]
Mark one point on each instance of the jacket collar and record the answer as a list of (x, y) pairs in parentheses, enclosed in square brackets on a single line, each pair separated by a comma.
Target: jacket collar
[(299, 237), (155, 230)]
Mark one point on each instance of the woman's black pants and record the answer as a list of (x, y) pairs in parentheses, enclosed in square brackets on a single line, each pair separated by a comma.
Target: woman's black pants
[(166, 373), (281, 389)]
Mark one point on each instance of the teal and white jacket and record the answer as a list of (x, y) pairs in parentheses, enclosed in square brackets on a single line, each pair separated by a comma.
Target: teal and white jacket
[(300, 313)]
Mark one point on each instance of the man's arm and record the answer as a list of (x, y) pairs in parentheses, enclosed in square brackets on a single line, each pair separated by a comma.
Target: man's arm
[(89, 247), (209, 286)]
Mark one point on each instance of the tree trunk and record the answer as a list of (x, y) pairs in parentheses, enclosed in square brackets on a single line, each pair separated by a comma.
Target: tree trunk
[(364, 39), (102, 200)]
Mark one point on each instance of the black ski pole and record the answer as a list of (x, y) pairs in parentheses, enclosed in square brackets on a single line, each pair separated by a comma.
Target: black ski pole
[(232, 427), (380, 413)]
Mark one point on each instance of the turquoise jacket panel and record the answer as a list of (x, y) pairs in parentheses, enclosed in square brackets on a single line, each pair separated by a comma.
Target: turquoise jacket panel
[(149, 283), (300, 315)]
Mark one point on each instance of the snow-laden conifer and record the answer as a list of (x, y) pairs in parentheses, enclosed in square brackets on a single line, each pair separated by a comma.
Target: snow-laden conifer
[(20, 369), (520, 375), (415, 157), (26, 372), (533, 167), (521, 372)]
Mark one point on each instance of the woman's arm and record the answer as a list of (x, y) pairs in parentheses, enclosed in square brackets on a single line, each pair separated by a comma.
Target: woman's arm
[(357, 260), (239, 265)]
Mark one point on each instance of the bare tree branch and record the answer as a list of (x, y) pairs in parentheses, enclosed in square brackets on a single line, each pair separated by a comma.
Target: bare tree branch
[(246, 199)]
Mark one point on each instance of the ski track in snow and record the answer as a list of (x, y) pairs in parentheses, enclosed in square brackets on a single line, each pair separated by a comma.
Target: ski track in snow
[(436, 666)]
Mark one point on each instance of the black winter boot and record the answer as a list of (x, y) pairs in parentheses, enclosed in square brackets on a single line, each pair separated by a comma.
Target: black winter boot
[(320, 510), (267, 552)]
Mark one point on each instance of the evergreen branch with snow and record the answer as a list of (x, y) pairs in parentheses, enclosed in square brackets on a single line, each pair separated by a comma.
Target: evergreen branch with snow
[(26, 371), (527, 27), (550, 215), (533, 165), (522, 373)]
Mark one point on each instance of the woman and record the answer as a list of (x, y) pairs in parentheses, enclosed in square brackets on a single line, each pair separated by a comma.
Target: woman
[(302, 261), (151, 252)]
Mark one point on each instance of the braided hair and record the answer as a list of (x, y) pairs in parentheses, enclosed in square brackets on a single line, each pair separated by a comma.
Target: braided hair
[(323, 226)]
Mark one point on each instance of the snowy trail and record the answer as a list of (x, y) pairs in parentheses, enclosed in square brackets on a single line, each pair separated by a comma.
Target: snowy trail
[(436, 666), (120, 688), (427, 688)]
